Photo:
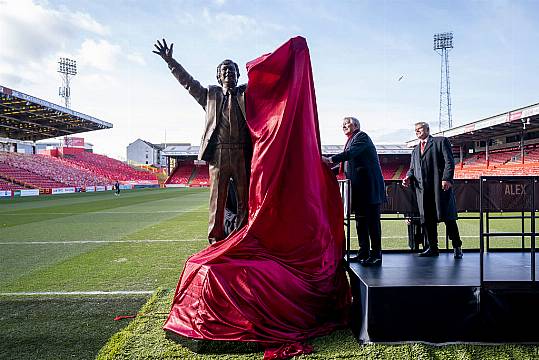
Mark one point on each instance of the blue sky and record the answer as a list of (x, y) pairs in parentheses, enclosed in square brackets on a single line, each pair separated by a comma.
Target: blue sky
[(359, 50)]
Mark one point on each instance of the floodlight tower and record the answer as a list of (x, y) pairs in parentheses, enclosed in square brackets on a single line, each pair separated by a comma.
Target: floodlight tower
[(442, 43), (67, 68)]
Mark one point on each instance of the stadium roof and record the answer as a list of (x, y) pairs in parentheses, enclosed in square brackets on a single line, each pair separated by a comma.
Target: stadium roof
[(155, 146), (508, 123), (188, 150), (24, 117), (180, 150)]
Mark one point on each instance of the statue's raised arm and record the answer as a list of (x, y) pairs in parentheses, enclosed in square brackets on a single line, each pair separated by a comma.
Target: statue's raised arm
[(196, 90)]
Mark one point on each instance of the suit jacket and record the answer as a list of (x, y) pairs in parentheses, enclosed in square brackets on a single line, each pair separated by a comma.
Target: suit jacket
[(427, 171), (362, 168), (210, 99)]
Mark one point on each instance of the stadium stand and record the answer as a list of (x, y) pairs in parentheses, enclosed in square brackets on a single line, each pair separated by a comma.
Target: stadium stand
[(41, 171), (201, 177), (389, 169), (12, 170), (401, 171), (505, 162), (182, 173), (8, 185), (107, 168)]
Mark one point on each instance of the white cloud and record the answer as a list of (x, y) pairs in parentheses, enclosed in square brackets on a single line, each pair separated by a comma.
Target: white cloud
[(28, 29), (136, 58), (224, 26), (33, 36), (87, 23), (101, 54)]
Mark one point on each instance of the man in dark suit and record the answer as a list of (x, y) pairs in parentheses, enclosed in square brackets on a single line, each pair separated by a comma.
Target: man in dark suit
[(362, 167), (431, 170), (226, 142)]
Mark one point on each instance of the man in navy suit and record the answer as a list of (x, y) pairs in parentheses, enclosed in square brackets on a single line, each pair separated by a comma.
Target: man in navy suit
[(431, 170), (361, 166)]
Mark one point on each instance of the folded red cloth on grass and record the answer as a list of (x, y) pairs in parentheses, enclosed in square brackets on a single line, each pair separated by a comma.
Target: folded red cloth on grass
[(287, 351)]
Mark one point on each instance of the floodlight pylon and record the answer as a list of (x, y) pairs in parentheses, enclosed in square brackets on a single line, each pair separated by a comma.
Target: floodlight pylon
[(443, 42)]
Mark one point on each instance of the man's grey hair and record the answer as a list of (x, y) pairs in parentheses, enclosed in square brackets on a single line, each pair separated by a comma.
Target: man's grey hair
[(422, 124), (353, 120)]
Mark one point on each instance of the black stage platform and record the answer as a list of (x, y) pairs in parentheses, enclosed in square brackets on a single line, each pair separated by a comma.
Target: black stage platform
[(441, 299)]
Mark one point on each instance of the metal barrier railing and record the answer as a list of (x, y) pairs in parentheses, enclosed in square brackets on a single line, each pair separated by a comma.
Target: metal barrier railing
[(486, 204), (346, 196), (511, 200)]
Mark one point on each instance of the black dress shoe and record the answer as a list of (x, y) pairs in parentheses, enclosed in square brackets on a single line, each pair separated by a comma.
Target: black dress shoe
[(359, 257), (458, 253), (429, 253), (372, 261)]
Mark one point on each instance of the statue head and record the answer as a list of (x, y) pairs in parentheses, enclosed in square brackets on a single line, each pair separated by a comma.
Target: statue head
[(228, 73)]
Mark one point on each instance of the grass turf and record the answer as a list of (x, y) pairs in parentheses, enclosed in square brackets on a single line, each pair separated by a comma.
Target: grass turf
[(59, 327), (66, 262), (75, 328), (155, 231), (144, 339)]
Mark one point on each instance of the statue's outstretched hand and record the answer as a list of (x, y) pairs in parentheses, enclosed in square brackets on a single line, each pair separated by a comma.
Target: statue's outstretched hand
[(163, 50)]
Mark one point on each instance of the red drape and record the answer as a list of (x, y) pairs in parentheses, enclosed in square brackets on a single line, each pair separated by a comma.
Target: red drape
[(280, 279)]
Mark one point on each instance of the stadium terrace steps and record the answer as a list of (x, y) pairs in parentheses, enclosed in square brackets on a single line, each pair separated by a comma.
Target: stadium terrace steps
[(201, 177), (81, 170), (501, 162), (42, 171), (398, 173), (6, 184), (28, 178), (182, 173), (108, 168)]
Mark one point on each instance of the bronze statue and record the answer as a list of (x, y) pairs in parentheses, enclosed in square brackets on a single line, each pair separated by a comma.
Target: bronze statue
[(226, 142)]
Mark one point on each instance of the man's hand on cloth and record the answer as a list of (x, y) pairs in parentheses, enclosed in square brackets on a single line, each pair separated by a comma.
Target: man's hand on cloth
[(327, 161)]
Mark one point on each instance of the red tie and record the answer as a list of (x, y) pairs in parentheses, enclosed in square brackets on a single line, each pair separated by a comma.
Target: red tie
[(422, 146)]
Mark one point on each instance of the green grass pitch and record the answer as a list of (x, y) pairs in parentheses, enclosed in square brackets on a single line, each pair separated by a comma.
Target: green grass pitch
[(56, 249)]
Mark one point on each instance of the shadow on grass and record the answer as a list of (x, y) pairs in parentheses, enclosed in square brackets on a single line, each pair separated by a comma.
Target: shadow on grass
[(208, 347)]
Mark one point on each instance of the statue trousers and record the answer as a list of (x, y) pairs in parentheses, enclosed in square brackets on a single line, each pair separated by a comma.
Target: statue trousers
[(229, 162)]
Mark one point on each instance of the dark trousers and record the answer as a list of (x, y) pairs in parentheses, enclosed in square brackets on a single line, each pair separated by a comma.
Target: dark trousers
[(229, 162), (369, 229), (452, 231)]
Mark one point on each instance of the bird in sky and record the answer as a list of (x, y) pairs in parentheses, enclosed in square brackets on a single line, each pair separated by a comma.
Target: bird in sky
[(400, 78)]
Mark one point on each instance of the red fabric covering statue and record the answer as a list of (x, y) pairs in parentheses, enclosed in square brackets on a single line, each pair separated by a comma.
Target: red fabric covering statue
[(280, 279)]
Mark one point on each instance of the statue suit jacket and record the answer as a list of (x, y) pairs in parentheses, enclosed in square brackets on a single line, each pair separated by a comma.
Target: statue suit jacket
[(210, 99)]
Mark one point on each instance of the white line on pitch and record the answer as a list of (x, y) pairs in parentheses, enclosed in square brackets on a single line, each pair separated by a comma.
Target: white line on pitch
[(45, 293), (94, 241)]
